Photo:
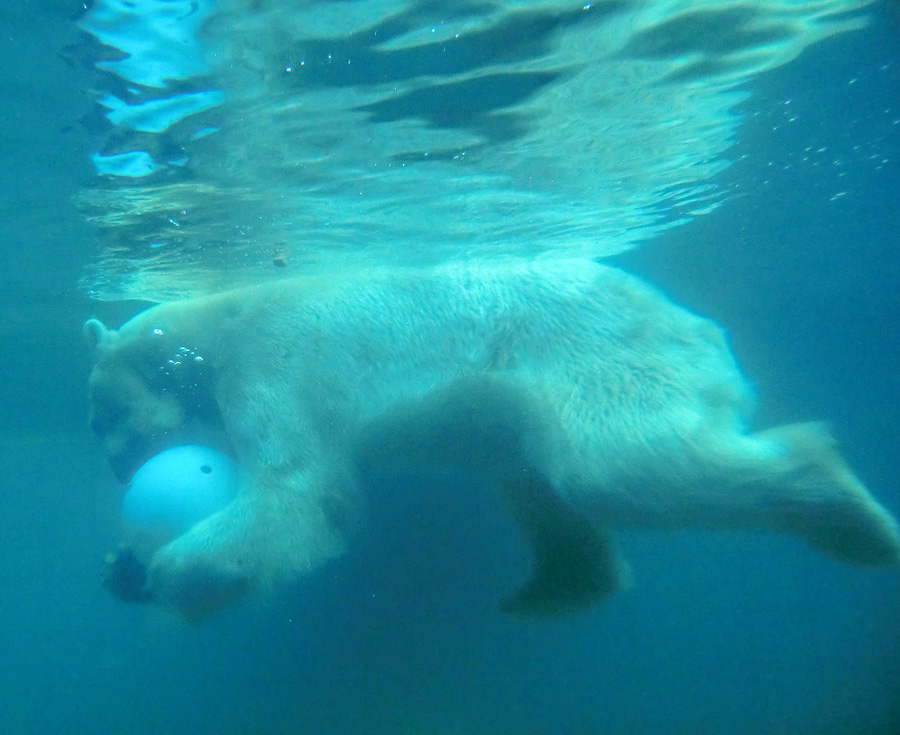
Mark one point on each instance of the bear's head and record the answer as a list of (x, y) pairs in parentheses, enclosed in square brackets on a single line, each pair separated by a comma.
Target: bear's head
[(146, 393)]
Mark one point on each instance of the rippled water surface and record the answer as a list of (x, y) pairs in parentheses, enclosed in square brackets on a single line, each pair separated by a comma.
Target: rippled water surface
[(244, 139)]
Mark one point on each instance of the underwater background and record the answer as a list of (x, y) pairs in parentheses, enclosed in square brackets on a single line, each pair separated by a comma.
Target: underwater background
[(793, 249)]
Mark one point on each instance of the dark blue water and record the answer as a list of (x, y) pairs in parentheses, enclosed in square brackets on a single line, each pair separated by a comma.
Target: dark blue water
[(722, 633)]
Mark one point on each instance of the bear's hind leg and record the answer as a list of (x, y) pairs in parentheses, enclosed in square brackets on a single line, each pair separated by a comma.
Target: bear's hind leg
[(576, 563), (816, 496)]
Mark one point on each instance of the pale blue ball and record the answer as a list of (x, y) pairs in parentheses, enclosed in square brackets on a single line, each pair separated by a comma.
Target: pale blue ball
[(179, 487)]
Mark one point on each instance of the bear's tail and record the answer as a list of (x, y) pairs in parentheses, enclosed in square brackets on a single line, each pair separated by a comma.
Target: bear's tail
[(822, 501)]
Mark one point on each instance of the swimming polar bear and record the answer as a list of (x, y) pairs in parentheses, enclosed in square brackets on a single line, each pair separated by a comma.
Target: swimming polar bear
[(584, 396)]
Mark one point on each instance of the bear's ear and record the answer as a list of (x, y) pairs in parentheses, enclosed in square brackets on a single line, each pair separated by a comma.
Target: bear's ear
[(95, 334)]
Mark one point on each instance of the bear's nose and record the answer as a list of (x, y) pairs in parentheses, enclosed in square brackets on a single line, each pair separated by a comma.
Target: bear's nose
[(121, 468), (125, 462)]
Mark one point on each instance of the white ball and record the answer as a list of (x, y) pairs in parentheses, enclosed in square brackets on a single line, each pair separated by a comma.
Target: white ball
[(179, 487)]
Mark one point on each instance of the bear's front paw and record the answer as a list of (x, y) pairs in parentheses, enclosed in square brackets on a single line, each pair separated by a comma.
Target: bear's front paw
[(125, 576), (196, 586)]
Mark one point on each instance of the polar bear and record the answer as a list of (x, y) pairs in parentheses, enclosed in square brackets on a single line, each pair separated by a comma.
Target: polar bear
[(581, 394)]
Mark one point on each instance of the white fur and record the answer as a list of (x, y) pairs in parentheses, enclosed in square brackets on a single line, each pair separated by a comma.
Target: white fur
[(583, 395)]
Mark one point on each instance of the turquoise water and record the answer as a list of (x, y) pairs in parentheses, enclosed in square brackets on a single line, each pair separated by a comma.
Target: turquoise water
[(722, 633)]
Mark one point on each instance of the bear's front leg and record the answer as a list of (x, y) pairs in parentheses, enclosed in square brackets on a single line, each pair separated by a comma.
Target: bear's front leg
[(206, 568), (273, 532), (196, 573)]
